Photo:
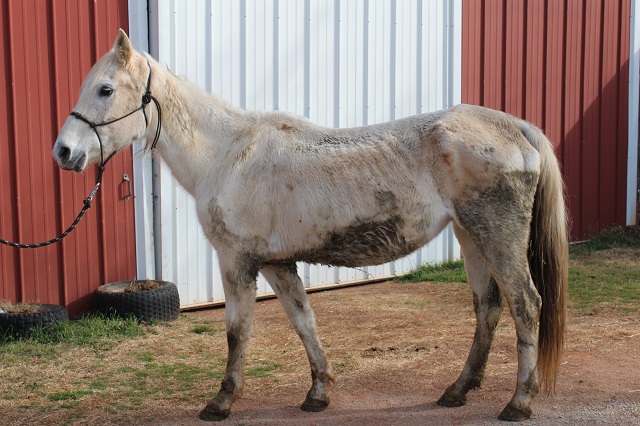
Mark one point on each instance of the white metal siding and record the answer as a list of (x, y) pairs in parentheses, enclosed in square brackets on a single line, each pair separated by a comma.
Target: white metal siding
[(633, 189), (342, 63)]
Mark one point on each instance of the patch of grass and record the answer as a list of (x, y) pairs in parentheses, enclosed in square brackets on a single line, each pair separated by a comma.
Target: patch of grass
[(263, 369), (605, 282), (145, 357), (14, 352), (153, 379), (99, 384), (36, 406), (205, 329), (86, 331), (69, 395), (33, 386), (74, 416), (617, 237), (10, 397), (95, 331), (418, 304), (449, 272)]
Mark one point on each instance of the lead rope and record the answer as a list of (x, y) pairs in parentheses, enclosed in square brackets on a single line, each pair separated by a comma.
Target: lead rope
[(146, 100)]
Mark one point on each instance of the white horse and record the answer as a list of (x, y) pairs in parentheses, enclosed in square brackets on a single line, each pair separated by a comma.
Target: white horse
[(273, 188)]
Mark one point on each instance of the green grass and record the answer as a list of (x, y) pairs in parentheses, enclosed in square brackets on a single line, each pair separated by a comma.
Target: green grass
[(145, 357), (205, 329), (604, 284), (69, 395), (89, 330), (449, 272), (95, 331), (604, 272), (163, 380), (262, 370), (99, 384), (618, 237)]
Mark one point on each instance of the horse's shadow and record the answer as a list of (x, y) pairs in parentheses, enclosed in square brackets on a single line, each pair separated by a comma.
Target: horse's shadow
[(339, 414)]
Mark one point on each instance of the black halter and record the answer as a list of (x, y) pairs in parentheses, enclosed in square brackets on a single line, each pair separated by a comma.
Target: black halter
[(146, 100)]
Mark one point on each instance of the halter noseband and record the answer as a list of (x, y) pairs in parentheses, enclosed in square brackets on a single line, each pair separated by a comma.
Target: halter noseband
[(147, 97)]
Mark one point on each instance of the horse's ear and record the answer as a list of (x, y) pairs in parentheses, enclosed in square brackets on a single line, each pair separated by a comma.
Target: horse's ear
[(123, 47)]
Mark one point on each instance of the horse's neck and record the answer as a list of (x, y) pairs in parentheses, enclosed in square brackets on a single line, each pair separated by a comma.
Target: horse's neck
[(196, 126)]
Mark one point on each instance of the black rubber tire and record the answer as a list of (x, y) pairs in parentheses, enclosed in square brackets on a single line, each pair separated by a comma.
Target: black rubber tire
[(160, 304), (20, 324)]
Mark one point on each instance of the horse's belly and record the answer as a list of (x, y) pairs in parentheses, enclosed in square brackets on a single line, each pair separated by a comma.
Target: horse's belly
[(365, 244)]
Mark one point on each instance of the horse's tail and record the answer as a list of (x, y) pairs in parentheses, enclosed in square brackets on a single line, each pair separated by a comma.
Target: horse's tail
[(549, 256)]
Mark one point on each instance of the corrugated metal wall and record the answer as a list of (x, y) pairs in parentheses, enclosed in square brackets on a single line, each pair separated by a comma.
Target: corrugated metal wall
[(47, 48), (563, 65), (341, 63)]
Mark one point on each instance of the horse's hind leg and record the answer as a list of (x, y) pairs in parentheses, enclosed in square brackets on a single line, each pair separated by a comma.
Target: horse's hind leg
[(498, 222), (287, 285), (511, 270), (487, 303)]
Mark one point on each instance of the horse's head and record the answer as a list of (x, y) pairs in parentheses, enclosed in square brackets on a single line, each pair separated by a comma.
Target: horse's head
[(114, 88)]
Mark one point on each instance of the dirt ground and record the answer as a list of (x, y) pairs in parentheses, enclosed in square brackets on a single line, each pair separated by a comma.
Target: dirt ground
[(396, 346)]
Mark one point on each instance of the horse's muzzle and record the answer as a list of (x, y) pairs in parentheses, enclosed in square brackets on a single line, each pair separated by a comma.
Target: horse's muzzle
[(66, 160)]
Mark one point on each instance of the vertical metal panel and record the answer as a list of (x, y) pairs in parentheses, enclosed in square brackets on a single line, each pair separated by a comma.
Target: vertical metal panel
[(534, 61), (564, 66), (633, 171), (623, 161), (341, 63), (572, 92), (609, 115), (48, 47), (590, 175), (142, 164)]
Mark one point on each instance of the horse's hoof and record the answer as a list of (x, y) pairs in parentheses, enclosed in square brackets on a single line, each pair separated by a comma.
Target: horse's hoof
[(314, 405), (452, 400), (212, 414), (514, 414)]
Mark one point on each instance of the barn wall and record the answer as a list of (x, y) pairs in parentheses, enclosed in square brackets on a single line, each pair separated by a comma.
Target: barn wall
[(563, 65), (48, 47), (341, 63)]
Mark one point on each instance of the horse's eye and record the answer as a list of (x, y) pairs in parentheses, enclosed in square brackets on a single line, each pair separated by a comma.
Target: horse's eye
[(106, 91)]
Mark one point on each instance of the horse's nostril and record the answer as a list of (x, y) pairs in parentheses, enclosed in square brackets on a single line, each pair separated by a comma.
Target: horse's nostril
[(64, 153)]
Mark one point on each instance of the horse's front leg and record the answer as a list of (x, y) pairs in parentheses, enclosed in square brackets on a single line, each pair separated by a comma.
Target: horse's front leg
[(239, 282), (287, 285)]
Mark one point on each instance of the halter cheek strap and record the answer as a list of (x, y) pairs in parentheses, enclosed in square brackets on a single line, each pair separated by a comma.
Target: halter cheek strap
[(147, 97)]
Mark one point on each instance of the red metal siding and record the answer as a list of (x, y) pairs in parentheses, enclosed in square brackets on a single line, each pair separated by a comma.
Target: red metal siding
[(562, 65), (47, 48)]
